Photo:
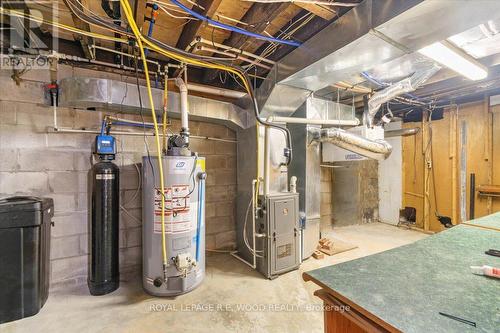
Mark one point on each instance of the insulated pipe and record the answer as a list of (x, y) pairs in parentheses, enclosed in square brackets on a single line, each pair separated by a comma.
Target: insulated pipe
[(402, 132), (375, 149), (184, 104), (293, 120)]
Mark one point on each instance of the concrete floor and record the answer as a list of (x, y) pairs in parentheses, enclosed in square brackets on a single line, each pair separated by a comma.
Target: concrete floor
[(247, 302)]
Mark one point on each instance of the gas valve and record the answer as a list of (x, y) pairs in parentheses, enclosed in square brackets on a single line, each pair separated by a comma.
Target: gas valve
[(184, 261)]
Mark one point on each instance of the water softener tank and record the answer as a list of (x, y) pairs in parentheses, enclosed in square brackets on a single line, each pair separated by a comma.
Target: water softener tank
[(184, 224), (103, 275)]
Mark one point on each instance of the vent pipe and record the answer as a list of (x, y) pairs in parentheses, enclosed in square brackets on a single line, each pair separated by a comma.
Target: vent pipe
[(184, 106)]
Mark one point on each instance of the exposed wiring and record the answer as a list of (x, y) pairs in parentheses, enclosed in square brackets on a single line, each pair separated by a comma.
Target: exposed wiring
[(175, 16), (287, 33), (16, 13), (233, 28), (124, 205), (137, 33), (245, 237)]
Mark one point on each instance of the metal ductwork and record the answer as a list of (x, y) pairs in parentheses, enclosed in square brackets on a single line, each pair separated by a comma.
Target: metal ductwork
[(85, 93), (404, 86), (402, 132), (371, 34), (376, 149)]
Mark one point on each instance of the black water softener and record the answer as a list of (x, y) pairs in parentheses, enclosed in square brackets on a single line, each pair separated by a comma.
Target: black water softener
[(103, 274)]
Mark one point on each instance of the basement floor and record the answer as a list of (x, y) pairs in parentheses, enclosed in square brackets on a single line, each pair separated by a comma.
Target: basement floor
[(240, 299)]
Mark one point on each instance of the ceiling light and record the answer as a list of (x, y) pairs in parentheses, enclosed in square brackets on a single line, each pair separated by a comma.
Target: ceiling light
[(454, 58)]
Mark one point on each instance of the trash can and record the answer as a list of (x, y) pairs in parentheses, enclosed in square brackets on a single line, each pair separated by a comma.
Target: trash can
[(25, 224)]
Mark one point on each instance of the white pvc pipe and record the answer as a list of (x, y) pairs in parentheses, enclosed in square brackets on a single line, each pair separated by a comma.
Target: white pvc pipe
[(184, 102), (293, 120), (267, 160)]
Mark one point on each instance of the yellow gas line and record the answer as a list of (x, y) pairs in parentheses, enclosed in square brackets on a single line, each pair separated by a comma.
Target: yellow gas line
[(137, 34)]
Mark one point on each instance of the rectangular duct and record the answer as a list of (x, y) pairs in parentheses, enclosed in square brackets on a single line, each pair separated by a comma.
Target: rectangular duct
[(85, 93)]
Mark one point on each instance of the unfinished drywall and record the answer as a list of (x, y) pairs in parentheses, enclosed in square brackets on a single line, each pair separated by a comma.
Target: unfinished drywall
[(355, 192), (39, 163), (477, 126)]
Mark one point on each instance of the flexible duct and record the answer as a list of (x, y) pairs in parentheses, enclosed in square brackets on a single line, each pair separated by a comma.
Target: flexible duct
[(375, 149), (402, 87)]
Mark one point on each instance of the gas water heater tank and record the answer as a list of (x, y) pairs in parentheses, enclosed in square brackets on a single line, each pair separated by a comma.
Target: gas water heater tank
[(184, 224)]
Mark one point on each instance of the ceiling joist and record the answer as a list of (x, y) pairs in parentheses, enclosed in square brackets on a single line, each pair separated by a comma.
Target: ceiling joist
[(325, 12), (194, 27), (85, 41)]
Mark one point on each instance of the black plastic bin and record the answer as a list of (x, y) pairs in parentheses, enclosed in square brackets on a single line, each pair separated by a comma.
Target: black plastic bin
[(25, 224)]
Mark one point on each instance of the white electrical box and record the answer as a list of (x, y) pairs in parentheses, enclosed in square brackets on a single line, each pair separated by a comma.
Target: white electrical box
[(332, 153)]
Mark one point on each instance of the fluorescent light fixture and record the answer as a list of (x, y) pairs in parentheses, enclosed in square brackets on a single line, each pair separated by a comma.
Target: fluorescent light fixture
[(455, 59)]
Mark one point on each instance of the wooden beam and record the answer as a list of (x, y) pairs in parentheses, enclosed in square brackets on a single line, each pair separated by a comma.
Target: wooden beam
[(140, 12), (323, 11), (85, 41), (194, 27), (277, 25), (259, 15)]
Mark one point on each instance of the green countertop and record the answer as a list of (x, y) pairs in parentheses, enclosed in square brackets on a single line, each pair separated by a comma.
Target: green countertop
[(491, 221), (408, 286)]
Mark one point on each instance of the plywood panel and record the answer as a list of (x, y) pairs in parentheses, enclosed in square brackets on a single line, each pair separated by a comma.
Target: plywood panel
[(496, 154), (482, 158), (413, 183), (476, 118)]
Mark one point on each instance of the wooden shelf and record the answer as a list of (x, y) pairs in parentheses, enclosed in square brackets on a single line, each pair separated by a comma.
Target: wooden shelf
[(489, 190)]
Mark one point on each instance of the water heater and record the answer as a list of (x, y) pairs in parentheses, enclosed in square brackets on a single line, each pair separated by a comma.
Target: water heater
[(184, 220)]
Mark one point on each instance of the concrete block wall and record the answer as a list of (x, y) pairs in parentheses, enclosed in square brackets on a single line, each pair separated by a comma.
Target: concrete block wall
[(35, 161), (355, 192), (368, 176)]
